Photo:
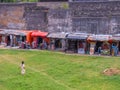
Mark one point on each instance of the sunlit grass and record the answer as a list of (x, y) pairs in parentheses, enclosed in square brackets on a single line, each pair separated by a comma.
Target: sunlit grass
[(46, 70)]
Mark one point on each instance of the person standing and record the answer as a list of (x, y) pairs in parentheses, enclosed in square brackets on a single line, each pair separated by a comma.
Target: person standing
[(99, 50), (22, 68), (116, 51)]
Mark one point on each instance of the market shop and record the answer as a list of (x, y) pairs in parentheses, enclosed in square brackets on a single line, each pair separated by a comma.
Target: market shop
[(12, 37), (7, 39), (39, 39), (57, 41), (2, 38), (76, 43), (115, 42), (99, 44)]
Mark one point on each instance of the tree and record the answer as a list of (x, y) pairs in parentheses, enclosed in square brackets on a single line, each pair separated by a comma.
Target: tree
[(1, 0), (6, 0)]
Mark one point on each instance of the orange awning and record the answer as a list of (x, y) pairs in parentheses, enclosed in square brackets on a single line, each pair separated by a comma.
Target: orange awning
[(29, 38), (39, 33)]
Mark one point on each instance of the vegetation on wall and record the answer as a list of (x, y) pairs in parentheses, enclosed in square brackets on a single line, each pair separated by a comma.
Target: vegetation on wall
[(31, 0), (65, 6), (2, 1)]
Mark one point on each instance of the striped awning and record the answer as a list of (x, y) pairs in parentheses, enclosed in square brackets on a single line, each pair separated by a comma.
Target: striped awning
[(116, 37), (99, 37)]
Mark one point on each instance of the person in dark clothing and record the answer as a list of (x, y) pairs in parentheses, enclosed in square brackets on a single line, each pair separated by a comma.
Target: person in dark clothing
[(99, 50)]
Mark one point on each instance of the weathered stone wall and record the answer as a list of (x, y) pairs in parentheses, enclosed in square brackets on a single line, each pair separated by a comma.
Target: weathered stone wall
[(36, 18), (101, 17), (12, 16), (59, 20), (23, 16), (90, 25), (96, 17), (53, 5), (91, 0), (58, 16)]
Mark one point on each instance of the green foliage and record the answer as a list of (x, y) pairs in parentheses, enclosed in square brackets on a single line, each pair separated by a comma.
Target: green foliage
[(65, 5), (19, 0), (6, 0), (47, 70)]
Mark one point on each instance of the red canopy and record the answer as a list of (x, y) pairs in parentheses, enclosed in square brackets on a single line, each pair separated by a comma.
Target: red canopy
[(29, 38), (39, 33)]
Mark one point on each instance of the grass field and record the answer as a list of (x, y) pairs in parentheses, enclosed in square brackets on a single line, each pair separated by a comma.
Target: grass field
[(47, 70)]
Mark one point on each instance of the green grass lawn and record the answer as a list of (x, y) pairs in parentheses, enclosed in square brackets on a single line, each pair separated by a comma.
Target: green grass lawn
[(47, 70)]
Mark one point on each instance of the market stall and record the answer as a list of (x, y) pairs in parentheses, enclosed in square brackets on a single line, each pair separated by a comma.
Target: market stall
[(29, 38), (57, 41), (115, 41), (40, 39), (77, 42), (92, 41), (3, 37), (13, 37), (99, 42)]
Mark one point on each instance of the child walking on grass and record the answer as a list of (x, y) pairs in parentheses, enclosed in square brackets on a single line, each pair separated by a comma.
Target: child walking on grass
[(22, 68)]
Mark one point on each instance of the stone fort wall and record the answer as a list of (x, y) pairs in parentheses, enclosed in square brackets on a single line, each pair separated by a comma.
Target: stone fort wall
[(22, 16), (101, 17), (96, 17)]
